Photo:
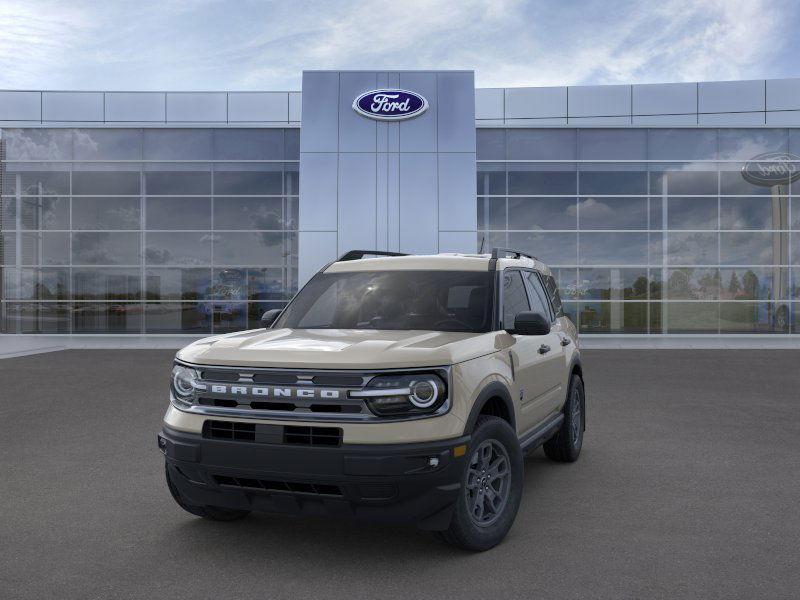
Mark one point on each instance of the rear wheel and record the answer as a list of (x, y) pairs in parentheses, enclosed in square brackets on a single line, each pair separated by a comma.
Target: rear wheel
[(565, 445), (214, 513), (491, 488)]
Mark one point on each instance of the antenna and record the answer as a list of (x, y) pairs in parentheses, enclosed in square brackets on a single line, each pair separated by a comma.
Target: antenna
[(483, 239)]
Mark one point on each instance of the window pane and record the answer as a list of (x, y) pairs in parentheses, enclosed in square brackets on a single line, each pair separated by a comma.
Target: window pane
[(37, 284), (746, 144), (178, 183), (732, 182), (491, 213), (490, 144), (248, 182), (613, 248), (107, 318), (691, 317), (45, 248), (613, 284), (105, 248), (541, 213), (291, 179), (36, 183), (515, 298), (291, 144), (754, 283), (248, 144), (105, 213), (754, 213), (177, 284), (175, 317), (8, 214), (749, 317), (541, 144), (178, 144), (266, 284), (118, 183), (684, 183), (612, 213), (613, 317), (608, 144), (491, 179), (44, 212), (613, 182), (692, 213), (107, 144), (749, 248), (795, 220), (692, 248), (551, 248), (38, 144), (178, 248), (682, 144), (106, 284), (656, 213), (248, 213), (522, 181), (229, 316), (253, 248), (693, 284), (174, 212), (34, 317)]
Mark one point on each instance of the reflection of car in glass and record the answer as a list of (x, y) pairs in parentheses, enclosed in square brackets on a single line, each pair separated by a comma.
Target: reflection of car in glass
[(398, 388)]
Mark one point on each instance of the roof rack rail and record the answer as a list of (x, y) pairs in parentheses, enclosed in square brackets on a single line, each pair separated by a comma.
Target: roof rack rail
[(504, 252), (358, 254)]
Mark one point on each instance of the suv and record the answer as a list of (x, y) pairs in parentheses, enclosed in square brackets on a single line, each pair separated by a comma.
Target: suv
[(394, 388)]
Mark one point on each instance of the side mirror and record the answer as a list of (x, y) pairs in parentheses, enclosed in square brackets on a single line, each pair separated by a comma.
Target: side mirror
[(268, 318), (531, 323)]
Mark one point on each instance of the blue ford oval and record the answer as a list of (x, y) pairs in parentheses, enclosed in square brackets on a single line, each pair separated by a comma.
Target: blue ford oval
[(390, 105)]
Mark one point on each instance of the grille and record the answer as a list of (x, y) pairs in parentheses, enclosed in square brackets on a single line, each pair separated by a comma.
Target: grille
[(291, 487), (312, 436), (230, 430)]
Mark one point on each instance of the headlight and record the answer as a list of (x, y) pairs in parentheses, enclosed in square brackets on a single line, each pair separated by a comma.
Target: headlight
[(183, 382), (404, 395)]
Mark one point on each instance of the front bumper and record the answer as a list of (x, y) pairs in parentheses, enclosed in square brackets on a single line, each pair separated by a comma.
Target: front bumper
[(395, 483)]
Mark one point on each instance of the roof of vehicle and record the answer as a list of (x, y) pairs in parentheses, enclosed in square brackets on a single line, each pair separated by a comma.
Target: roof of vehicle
[(446, 261)]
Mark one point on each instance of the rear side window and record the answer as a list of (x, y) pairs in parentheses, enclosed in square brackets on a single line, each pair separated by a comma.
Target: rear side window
[(552, 291), (515, 299)]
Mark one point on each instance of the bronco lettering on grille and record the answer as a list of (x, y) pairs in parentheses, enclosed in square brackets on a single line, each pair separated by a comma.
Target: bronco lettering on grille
[(275, 392)]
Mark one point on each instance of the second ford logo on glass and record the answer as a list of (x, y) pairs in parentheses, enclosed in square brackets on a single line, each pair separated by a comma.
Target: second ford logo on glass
[(390, 104)]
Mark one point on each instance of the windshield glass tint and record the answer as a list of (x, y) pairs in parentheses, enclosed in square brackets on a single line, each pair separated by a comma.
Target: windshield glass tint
[(428, 300)]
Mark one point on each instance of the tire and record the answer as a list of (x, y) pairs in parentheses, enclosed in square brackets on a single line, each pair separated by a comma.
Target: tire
[(478, 532), (565, 445), (215, 513)]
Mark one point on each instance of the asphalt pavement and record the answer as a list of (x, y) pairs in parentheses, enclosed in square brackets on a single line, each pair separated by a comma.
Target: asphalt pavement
[(687, 487)]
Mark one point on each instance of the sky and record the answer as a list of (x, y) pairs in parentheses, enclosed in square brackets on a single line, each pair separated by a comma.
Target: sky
[(265, 45)]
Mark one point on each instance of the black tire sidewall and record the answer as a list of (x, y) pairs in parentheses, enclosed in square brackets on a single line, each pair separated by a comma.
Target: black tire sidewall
[(470, 535)]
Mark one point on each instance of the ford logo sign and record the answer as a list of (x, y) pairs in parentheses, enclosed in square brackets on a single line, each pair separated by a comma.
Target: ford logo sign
[(390, 105), (772, 168)]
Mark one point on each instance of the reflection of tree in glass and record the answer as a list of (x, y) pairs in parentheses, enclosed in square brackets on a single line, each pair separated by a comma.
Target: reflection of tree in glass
[(640, 288), (750, 284), (734, 286)]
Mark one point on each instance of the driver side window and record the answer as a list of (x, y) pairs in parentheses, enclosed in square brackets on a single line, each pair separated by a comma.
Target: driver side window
[(515, 299)]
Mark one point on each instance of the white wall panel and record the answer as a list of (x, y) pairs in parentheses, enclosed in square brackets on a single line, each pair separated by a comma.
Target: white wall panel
[(197, 107), (783, 94), (730, 96), (356, 134), (419, 228), (357, 204), (536, 103), (317, 249), (318, 191), (732, 119), (258, 106), (20, 106), (72, 106), (489, 103), (599, 101), (419, 133), (664, 98), (457, 192), (132, 107), (458, 241), (455, 125)]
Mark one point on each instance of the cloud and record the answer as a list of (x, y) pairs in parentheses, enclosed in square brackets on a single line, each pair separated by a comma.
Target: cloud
[(211, 44)]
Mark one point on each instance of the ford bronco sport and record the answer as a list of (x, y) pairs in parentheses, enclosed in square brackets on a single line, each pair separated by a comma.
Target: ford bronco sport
[(396, 388)]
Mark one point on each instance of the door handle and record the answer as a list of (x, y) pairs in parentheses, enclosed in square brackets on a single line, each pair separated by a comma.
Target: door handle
[(544, 349), (565, 341)]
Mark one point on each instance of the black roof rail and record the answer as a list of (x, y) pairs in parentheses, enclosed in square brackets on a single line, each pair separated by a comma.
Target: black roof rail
[(504, 252), (358, 254)]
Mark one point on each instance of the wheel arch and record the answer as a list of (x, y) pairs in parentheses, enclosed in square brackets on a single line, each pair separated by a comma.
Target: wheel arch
[(494, 399)]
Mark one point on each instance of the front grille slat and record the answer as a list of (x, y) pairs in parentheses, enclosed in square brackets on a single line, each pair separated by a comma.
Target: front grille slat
[(289, 487), (273, 434), (312, 436)]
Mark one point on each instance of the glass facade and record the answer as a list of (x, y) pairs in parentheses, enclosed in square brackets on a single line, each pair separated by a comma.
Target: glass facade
[(649, 231), (146, 230)]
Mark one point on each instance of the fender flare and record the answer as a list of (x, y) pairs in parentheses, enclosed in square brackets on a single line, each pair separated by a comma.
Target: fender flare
[(494, 389)]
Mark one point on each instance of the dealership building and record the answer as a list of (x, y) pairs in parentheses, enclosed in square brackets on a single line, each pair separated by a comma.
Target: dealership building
[(665, 210)]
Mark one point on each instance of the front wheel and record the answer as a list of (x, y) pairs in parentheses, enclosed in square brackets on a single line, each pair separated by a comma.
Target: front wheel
[(565, 445), (491, 488)]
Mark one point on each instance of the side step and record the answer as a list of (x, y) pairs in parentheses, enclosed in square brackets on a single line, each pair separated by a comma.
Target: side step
[(541, 433)]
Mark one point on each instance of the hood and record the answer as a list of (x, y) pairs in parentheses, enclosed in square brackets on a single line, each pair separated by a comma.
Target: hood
[(339, 348)]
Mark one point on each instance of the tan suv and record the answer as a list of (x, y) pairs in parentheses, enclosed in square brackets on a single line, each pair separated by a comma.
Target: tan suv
[(392, 387)]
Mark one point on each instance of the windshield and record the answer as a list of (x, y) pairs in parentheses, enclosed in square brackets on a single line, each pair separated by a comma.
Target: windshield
[(430, 300)]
